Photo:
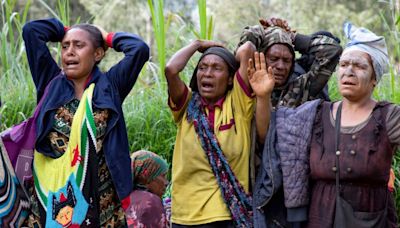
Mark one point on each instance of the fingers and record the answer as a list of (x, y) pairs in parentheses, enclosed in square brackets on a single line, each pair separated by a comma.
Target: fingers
[(250, 69), (264, 23), (257, 63), (273, 21), (205, 44), (262, 61), (216, 44), (271, 73)]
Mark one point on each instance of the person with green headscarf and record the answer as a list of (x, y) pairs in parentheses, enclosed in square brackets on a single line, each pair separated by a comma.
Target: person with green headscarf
[(149, 177)]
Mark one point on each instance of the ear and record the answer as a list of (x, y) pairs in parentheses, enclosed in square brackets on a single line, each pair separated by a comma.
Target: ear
[(99, 54)]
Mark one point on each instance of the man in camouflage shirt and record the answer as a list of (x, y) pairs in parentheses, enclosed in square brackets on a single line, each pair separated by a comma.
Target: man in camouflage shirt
[(296, 81), (294, 85)]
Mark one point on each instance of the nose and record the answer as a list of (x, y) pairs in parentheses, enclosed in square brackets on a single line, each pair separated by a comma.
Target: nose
[(207, 72), (69, 51), (280, 64), (348, 71)]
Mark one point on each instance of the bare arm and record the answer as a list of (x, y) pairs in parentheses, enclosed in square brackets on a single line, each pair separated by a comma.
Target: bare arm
[(177, 63), (243, 54), (262, 83)]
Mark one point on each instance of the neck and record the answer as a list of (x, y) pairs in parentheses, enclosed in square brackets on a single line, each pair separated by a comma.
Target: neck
[(361, 104), (79, 85)]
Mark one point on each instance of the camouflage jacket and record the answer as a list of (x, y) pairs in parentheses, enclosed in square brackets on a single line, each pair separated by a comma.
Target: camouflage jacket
[(307, 85)]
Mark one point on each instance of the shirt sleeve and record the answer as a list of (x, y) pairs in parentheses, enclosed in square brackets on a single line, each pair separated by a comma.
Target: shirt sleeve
[(393, 125), (36, 35), (243, 97), (178, 110), (326, 52), (136, 53)]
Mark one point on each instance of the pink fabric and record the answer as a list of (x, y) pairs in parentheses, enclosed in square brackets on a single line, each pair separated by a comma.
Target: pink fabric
[(145, 210), (19, 142)]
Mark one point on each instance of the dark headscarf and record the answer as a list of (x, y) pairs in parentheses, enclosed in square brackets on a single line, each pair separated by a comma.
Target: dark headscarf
[(225, 54), (263, 39)]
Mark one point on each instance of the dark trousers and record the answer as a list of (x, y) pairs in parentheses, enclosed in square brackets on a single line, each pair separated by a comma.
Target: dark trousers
[(219, 224)]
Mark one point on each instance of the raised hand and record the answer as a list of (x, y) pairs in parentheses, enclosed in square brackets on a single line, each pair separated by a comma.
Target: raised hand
[(261, 81), (205, 44), (104, 34), (282, 23)]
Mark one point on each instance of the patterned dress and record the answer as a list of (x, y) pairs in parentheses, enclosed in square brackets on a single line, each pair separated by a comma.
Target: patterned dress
[(365, 160), (145, 210), (104, 206)]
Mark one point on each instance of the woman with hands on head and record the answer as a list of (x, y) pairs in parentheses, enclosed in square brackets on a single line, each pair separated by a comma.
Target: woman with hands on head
[(210, 167), (81, 157)]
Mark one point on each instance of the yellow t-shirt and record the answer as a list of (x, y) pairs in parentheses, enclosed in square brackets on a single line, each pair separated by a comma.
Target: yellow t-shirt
[(196, 196)]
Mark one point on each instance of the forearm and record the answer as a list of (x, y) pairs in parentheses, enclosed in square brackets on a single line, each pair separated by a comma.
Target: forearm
[(243, 54), (174, 66), (36, 34), (326, 52), (263, 113), (179, 60), (136, 52), (255, 34)]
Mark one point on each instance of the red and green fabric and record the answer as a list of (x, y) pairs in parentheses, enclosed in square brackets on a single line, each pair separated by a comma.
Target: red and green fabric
[(59, 181)]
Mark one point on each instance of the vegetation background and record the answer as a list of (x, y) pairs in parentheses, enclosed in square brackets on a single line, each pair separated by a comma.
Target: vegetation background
[(167, 25)]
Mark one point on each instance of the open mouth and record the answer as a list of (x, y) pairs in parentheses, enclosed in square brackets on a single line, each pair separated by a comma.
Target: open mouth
[(207, 85), (71, 63), (279, 76), (348, 83)]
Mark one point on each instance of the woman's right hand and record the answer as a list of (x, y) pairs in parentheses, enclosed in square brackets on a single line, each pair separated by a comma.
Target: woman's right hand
[(203, 45)]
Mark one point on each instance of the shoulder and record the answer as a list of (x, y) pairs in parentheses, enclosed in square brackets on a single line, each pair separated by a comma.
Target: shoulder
[(391, 110), (145, 209), (147, 199)]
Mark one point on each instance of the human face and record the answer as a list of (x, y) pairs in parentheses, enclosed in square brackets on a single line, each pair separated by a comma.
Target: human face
[(280, 58), (213, 78), (79, 54), (64, 217), (355, 73), (158, 185)]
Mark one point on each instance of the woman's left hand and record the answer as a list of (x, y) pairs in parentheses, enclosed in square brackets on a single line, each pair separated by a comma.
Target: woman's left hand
[(261, 80), (104, 34)]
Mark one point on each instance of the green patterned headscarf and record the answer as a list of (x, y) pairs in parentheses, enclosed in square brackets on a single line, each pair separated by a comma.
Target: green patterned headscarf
[(146, 166)]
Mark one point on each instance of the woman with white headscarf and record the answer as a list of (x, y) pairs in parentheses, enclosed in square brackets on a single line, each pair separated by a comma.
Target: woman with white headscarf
[(335, 158), (367, 134)]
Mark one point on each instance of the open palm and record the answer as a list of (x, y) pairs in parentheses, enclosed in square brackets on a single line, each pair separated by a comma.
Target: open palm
[(261, 80)]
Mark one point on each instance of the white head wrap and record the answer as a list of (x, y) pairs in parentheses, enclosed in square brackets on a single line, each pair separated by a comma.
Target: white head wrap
[(362, 39)]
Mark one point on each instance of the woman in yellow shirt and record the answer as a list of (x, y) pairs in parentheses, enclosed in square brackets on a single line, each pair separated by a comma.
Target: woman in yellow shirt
[(210, 167)]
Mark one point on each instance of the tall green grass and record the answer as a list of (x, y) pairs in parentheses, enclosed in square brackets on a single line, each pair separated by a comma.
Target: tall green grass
[(17, 91), (157, 14), (206, 24), (148, 119)]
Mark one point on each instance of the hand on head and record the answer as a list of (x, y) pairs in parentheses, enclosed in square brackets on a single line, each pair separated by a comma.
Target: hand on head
[(205, 44), (261, 80), (279, 22), (104, 34)]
